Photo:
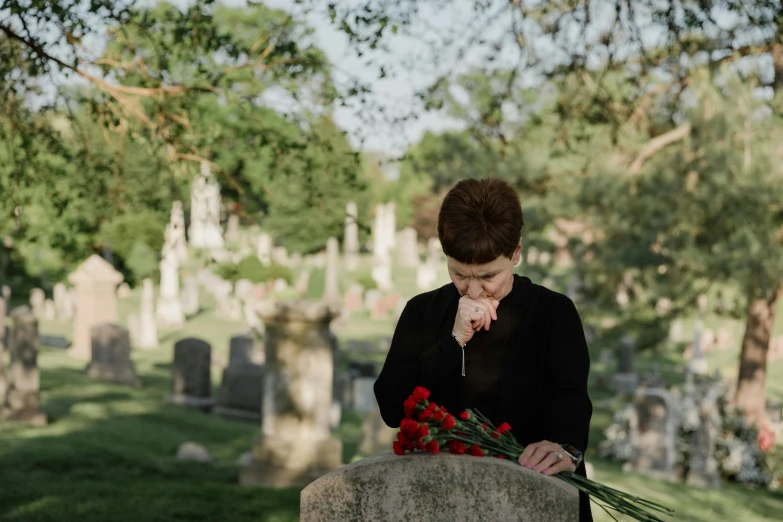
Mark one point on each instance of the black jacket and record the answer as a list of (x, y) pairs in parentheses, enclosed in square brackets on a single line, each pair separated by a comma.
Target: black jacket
[(544, 387)]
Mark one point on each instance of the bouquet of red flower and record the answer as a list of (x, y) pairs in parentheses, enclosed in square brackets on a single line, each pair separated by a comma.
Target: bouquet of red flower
[(429, 427)]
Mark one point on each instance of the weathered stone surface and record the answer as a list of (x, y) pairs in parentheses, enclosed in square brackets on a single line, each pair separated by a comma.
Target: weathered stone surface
[(111, 356), (23, 400), (377, 437), (653, 430), (193, 452), (437, 488), (241, 391), (190, 379), (246, 349), (296, 444)]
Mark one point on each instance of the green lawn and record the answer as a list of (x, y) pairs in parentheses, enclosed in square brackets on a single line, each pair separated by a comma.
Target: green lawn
[(108, 452)]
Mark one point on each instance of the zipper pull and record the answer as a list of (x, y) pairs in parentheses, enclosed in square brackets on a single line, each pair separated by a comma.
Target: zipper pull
[(463, 360)]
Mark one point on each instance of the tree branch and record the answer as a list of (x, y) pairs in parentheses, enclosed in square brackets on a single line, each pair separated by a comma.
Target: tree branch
[(656, 144)]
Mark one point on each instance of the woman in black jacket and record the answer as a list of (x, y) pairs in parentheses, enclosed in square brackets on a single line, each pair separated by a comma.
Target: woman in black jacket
[(492, 340)]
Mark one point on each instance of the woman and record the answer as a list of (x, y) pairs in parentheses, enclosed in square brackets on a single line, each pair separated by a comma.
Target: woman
[(492, 340)]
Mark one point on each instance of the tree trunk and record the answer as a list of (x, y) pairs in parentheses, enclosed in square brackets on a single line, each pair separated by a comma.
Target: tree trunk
[(751, 382)]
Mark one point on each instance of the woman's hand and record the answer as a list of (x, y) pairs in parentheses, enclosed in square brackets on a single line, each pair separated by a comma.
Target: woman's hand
[(473, 315), (542, 457)]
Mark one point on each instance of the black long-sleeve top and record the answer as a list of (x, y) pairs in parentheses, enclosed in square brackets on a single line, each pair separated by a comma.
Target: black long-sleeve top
[(530, 369)]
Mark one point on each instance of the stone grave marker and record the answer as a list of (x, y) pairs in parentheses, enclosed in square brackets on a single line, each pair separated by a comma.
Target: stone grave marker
[(296, 445), (351, 241), (190, 297), (22, 396), (3, 382), (49, 310), (408, 247), (626, 380), (191, 385), (240, 394), (703, 469), (63, 302), (331, 279), (96, 283), (377, 437), (37, 299), (111, 356), (653, 433), (438, 488)]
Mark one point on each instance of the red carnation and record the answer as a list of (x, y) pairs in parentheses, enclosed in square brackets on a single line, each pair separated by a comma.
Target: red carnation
[(420, 394), (409, 427), (456, 447), (432, 406), (425, 415), (409, 406), (433, 447), (476, 451), (504, 428), (485, 426), (398, 449), (465, 415), (401, 438), (495, 435), (448, 423), (438, 415), (423, 431)]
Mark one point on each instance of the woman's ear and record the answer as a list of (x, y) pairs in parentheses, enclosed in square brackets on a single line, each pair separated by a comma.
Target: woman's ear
[(517, 256)]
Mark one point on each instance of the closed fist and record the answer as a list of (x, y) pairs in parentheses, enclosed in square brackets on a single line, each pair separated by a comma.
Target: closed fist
[(473, 315)]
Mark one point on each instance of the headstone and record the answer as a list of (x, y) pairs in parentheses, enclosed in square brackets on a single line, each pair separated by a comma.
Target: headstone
[(675, 331), (438, 488), (6, 293), (54, 341), (626, 379), (377, 437), (241, 389), (426, 276), (22, 397), (63, 302), (371, 297), (243, 288), (3, 382), (190, 297), (37, 298), (111, 356), (391, 225), (380, 245), (296, 444), (205, 231), (303, 282), (280, 285), (698, 363), (653, 434), (280, 256), (49, 310), (134, 329), (191, 385), (123, 291), (332, 285), (146, 338), (354, 297), (96, 297), (232, 228), (381, 273), (364, 394), (379, 310), (169, 310), (249, 311), (264, 248), (351, 240), (408, 247), (175, 231), (703, 469)]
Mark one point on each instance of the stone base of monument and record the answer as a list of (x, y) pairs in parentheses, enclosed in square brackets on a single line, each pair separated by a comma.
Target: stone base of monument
[(279, 464), (32, 418), (437, 488), (189, 401)]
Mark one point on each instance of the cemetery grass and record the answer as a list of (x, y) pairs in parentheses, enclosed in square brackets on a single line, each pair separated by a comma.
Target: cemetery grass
[(109, 451)]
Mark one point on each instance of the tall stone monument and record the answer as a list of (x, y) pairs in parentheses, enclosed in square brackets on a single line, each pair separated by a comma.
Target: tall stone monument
[(205, 231), (96, 296), (190, 297), (332, 285), (23, 399), (175, 231), (351, 240), (3, 382), (264, 248), (169, 310), (37, 299), (147, 337), (296, 445), (408, 247)]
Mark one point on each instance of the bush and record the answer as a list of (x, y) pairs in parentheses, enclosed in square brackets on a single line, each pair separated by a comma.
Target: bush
[(367, 281), (253, 269), (141, 261), (124, 231)]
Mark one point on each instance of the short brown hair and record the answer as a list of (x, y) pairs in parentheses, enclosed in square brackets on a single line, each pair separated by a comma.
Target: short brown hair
[(480, 220)]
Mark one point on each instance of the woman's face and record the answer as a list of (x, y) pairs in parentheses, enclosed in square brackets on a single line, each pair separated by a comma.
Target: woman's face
[(494, 279)]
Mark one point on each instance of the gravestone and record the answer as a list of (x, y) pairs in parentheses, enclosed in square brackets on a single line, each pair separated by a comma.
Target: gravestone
[(37, 298), (625, 380), (232, 228), (243, 288), (241, 389), (6, 293), (175, 231), (331, 284), (123, 291), (703, 469), (280, 256), (653, 434), (351, 240), (63, 302), (191, 385), (205, 231), (22, 396), (169, 310), (364, 394), (111, 360), (675, 331), (49, 310), (377, 437), (379, 310), (190, 297), (96, 297), (296, 445), (264, 248), (426, 276), (146, 337), (354, 297), (302, 282), (3, 382), (438, 488), (408, 247)]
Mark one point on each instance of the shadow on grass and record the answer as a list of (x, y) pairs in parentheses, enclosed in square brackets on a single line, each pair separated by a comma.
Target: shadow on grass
[(113, 458)]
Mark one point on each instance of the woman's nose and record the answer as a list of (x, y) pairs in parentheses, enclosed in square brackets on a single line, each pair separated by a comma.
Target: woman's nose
[(474, 289)]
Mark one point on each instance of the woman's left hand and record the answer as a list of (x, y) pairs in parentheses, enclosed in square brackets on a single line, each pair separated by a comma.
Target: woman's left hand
[(543, 457)]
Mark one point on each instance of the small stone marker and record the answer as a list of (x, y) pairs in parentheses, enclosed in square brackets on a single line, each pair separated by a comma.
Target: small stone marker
[(193, 452), (438, 488), (111, 356), (23, 398), (191, 385), (653, 434), (241, 389)]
